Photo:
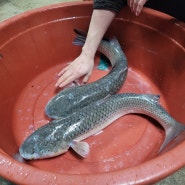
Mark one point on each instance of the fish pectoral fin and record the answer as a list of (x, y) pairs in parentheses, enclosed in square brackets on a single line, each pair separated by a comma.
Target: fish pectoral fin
[(81, 148)]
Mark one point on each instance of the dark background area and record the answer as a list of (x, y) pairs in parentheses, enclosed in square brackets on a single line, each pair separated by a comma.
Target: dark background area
[(175, 8)]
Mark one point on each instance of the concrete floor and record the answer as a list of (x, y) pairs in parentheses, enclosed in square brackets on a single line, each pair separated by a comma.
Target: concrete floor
[(9, 8)]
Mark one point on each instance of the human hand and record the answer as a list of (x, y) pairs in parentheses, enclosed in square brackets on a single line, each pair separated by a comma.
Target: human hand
[(82, 65), (136, 5)]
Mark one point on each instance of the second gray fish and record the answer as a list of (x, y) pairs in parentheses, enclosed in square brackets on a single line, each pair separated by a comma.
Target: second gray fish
[(70, 99), (59, 135)]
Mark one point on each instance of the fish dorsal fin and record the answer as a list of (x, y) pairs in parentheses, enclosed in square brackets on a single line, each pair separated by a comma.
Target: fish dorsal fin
[(81, 148)]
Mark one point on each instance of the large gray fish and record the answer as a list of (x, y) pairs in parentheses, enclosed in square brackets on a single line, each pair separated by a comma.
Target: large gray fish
[(56, 137), (71, 99)]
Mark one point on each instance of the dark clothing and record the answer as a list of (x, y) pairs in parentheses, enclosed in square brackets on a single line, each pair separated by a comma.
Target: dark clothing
[(175, 8), (114, 6)]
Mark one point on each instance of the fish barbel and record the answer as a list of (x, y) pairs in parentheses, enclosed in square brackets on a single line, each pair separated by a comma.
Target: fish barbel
[(59, 135), (73, 98)]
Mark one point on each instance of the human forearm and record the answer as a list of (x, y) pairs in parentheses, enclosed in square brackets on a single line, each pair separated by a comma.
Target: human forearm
[(99, 24), (103, 14)]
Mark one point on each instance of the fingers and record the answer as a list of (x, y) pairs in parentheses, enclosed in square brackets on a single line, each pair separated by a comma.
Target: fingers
[(65, 80), (63, 71), (81, 66), (66, 76), (86, 78), (136, 6)]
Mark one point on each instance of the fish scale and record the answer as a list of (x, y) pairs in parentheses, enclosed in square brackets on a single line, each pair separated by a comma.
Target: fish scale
[(91, 120), (74, 98)]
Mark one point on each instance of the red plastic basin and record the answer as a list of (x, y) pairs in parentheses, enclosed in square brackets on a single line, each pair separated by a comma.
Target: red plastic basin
[(36, 45)]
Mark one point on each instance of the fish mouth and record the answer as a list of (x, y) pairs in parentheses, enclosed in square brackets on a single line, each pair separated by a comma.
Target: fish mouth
[(34, 156), (27, 156)]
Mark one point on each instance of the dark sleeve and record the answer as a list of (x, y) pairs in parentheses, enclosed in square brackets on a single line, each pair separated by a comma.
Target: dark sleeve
[(111, 5)]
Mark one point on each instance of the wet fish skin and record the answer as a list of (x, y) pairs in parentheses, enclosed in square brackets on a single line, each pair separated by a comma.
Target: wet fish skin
[(56, 137), (71, 99)]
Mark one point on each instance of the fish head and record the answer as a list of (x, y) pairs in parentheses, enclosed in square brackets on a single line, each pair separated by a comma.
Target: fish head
[(62, 104), (40, 145)]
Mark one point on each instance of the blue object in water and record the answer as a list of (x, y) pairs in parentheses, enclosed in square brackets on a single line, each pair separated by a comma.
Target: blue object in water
[(104, 63)]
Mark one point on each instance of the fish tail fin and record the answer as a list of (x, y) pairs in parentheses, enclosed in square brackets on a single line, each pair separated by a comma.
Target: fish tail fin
[(172, 128), (80, 39), (171, 132)]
